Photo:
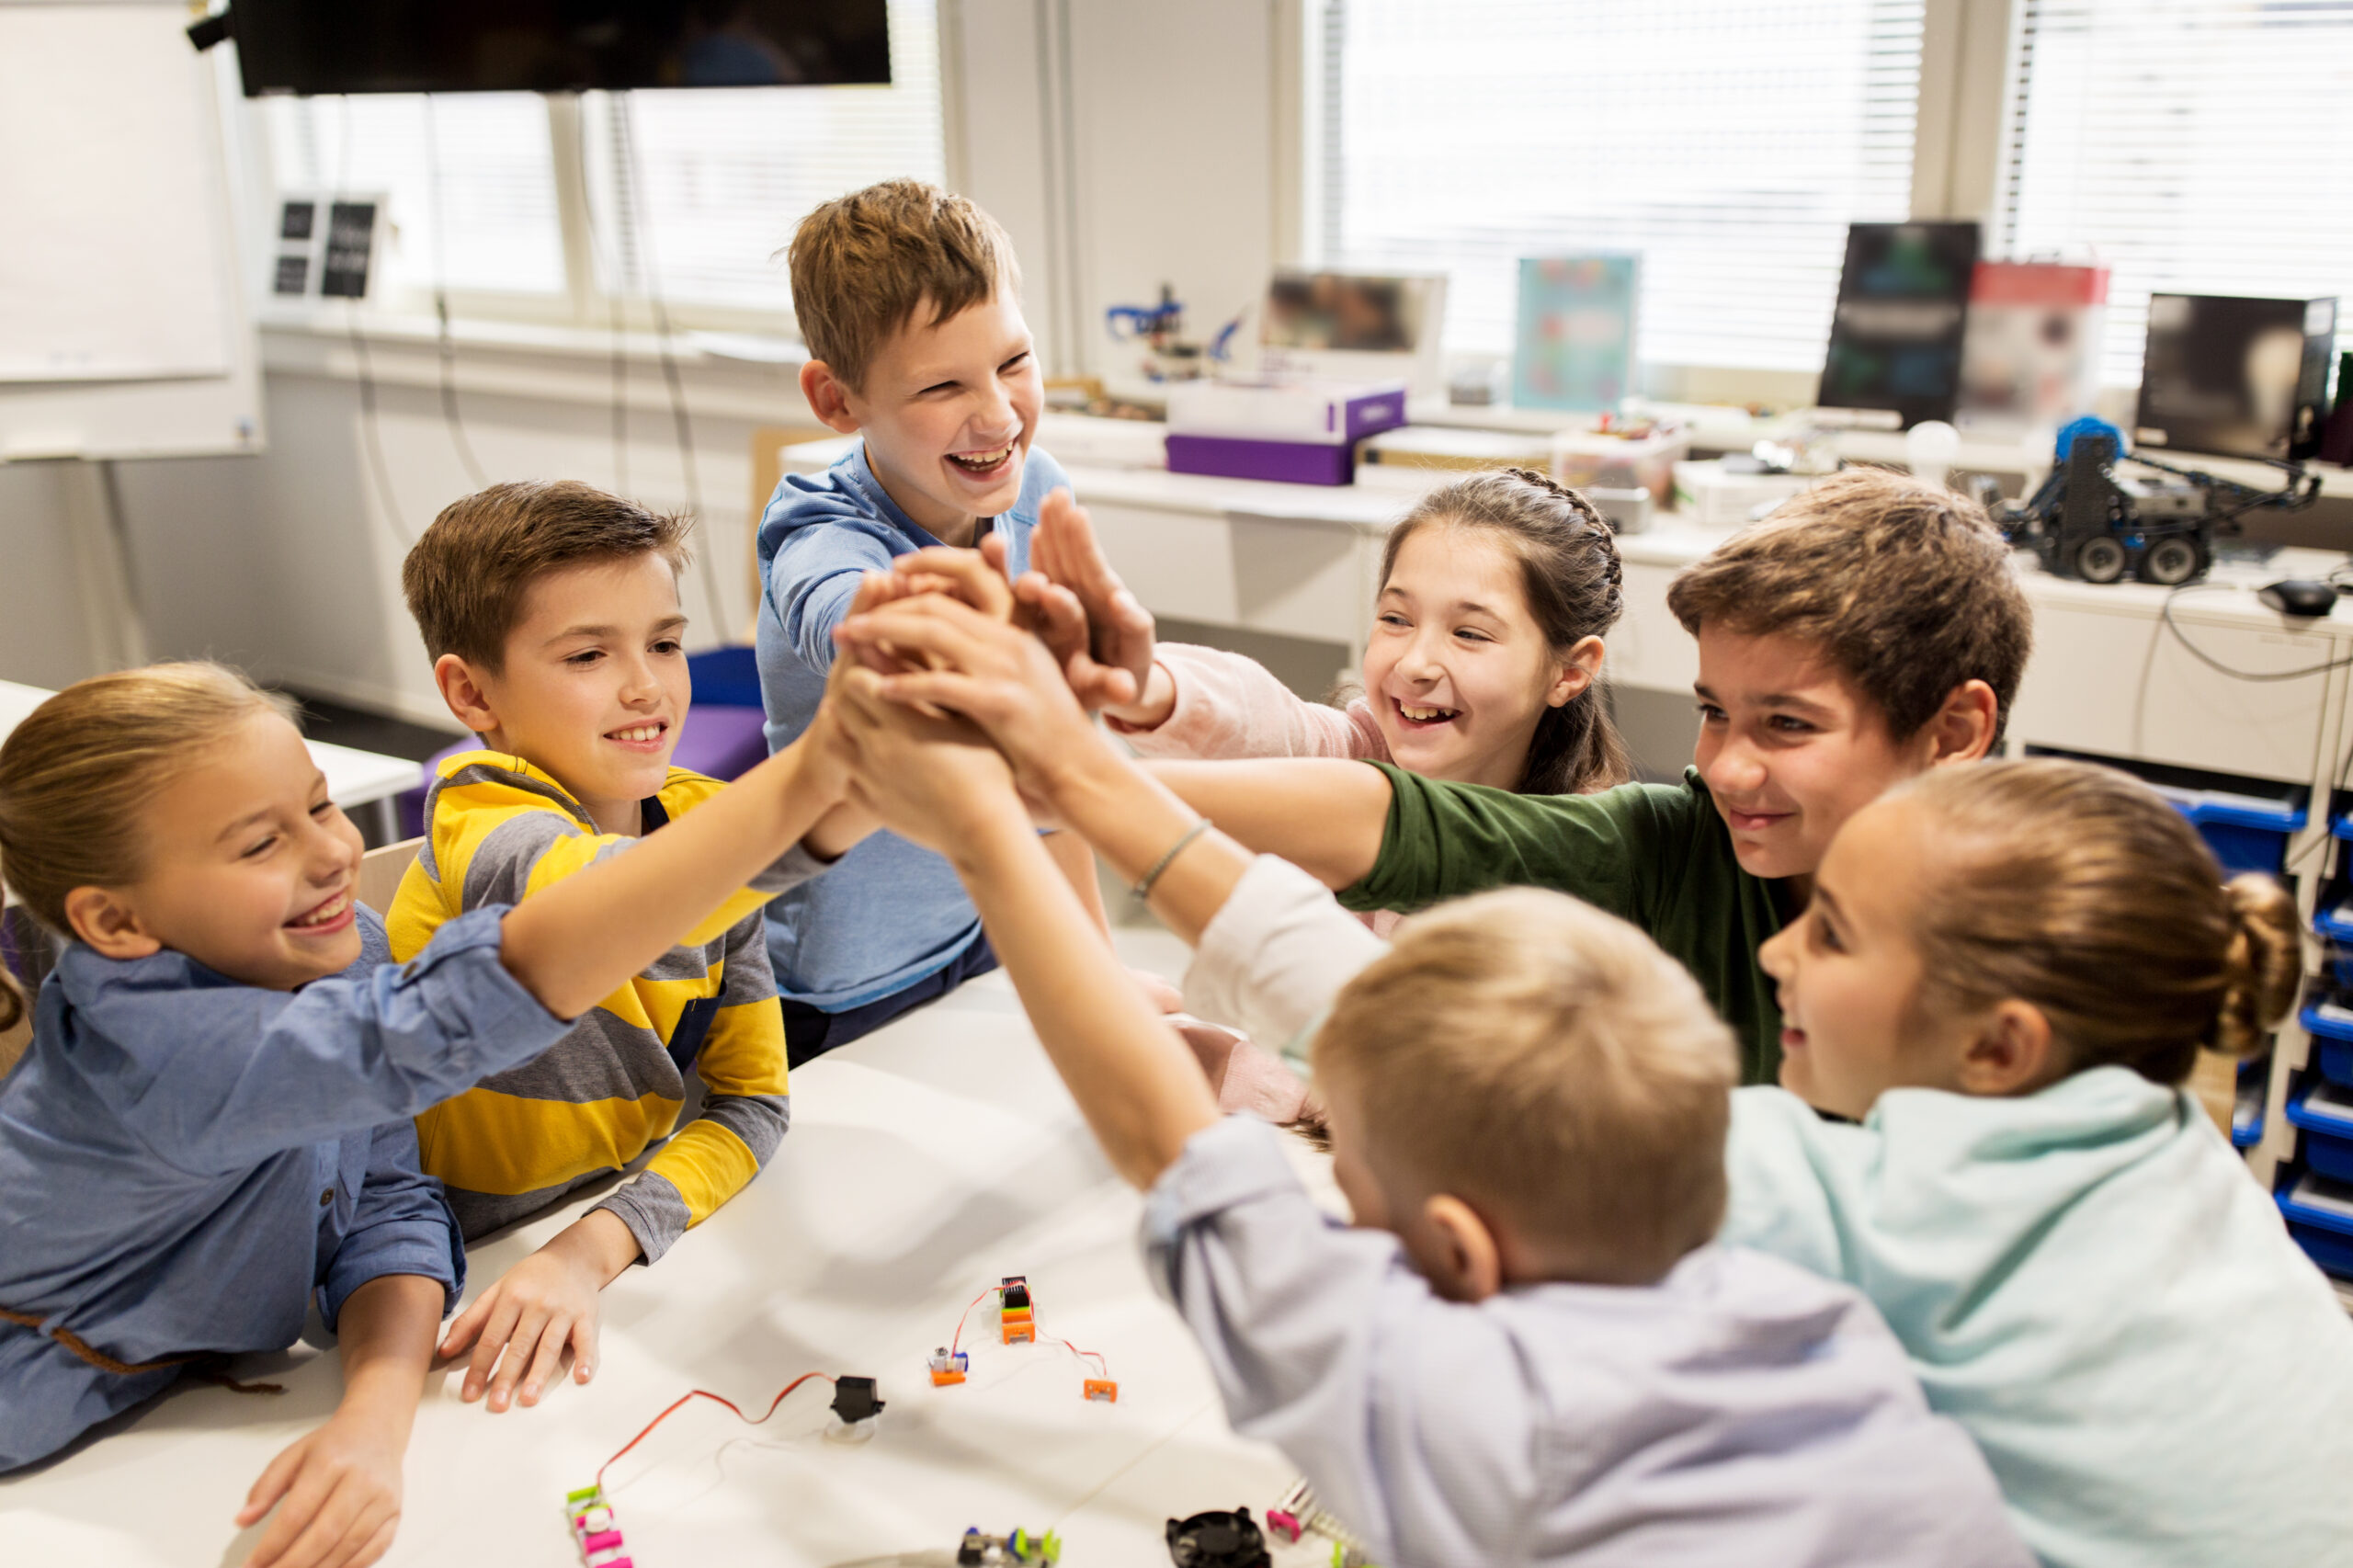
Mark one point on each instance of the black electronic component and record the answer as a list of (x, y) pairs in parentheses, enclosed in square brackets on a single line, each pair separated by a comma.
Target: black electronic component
[(1013, 1292), (2298, 596), (855, 1400), (1218, 1539)]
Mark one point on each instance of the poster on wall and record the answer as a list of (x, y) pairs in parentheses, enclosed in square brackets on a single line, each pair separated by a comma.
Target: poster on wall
[(1575, 341)]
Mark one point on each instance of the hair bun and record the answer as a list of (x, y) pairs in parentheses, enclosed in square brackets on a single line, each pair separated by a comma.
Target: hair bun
[(2263, 966)]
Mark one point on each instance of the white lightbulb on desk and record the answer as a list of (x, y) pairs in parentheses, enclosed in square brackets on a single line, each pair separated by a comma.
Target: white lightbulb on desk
[(1929, 449)]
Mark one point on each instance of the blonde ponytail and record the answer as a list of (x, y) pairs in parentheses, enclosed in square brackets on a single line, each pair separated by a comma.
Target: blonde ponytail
[(2262, 968)]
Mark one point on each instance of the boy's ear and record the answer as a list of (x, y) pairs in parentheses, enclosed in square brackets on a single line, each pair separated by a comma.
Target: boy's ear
[(1468, 1265), (1578, 671), (106, 922), (1963, 729), (461, 689), (2013, 1053), (828, 397)]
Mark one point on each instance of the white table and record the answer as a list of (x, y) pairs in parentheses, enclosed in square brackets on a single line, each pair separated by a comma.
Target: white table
[(924, 1162), (355, 779)]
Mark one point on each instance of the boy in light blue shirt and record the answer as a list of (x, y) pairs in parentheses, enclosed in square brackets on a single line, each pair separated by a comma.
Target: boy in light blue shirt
[(906, 297)]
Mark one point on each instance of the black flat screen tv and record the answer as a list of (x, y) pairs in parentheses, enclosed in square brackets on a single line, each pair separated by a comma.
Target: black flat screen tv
[(489, 46)]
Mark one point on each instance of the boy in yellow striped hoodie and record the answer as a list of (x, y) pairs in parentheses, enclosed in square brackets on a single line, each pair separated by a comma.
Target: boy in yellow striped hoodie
[(551, 612)]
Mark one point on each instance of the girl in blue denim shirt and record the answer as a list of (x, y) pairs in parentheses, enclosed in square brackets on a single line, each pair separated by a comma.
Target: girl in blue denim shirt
[(211, 1122)]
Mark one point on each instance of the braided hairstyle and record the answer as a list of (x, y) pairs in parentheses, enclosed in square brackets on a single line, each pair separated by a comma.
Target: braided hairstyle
[(1574, 582)]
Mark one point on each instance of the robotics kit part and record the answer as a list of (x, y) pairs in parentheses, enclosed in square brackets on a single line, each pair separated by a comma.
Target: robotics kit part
[(1103, 1389), (1018, 1548), (1015, 1320), (1217, 1540), (2091, 520), (594, 1530), (855, 1401), (949, 1365)]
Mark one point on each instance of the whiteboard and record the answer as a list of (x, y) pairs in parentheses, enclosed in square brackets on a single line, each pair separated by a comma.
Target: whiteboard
[(123, 330)]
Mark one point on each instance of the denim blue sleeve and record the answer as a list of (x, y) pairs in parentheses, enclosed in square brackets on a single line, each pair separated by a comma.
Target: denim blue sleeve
[(402, 1224), (233, 1074), (815, 576)]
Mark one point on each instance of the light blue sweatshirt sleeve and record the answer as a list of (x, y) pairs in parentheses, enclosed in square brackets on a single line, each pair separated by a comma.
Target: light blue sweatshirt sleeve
[(815, 576), (217, 1077)]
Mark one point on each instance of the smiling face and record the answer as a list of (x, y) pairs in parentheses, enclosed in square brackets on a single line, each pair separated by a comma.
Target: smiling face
[(595, 685), (1789, 749), (1848, 971), (948, 412), (249, 868), (1457, 670)]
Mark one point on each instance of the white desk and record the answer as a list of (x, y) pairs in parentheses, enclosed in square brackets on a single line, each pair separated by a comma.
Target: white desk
[(924, 1162), (355, 779)]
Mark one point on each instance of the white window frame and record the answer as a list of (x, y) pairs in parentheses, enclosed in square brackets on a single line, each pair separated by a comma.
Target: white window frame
[(1966, 54)]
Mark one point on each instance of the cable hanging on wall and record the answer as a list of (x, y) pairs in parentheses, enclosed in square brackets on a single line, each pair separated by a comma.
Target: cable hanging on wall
[(448, 348), (631, 178), (370, 432)]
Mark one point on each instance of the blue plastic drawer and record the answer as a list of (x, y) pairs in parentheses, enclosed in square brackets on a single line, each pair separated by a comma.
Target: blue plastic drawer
[(2330, 1024), (2320, 1216), (2247, 1111), (2324, 1112), (2246, 832)]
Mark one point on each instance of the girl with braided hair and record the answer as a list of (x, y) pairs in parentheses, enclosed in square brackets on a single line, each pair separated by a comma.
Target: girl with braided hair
[(1484, 665), (1483, 668)]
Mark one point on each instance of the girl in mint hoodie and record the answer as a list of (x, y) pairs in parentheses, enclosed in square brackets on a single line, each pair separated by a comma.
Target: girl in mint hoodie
[(2004, 976)]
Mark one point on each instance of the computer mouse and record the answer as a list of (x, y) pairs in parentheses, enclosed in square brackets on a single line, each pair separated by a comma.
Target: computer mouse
[(2297, 596)]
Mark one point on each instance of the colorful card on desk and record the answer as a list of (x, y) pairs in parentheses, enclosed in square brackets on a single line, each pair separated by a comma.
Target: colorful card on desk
[(1575, 349)]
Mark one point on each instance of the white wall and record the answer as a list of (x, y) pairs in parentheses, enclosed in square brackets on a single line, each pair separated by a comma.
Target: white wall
[(1123, 145)]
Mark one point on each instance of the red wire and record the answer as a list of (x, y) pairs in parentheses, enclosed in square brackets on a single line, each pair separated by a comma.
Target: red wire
[(1105, 1366), (975, 1301), (706, 1393)]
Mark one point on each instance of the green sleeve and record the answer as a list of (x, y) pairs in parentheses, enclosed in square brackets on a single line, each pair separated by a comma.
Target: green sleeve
[(1615, 850)]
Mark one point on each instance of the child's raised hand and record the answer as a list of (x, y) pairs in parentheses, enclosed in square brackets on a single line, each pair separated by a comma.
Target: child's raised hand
[(1001, 679), (935, 781), (520, 1328), (1064, 550)]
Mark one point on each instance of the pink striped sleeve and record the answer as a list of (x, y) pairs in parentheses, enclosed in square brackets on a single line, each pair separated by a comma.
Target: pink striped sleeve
[(1228, 706)]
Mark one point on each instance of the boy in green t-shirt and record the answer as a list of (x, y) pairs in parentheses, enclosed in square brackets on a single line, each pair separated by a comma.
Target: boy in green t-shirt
[(1868, 629)]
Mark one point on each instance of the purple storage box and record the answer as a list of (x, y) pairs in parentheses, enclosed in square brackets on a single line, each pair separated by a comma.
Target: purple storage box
[(1290, 462)]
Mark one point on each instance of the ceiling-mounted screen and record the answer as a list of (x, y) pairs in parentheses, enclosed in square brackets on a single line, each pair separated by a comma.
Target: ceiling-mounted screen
[(489, 46)]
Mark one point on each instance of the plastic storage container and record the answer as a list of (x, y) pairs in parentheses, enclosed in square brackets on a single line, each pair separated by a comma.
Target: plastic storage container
[(2320, 1216), (1622, 455), (2330, 1023), (2324, 1111), (2246, 832)]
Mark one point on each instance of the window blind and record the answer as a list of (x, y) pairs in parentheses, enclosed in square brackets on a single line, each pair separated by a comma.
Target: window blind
[(699, 191), (471, 178), (1730, 141), (2194, 146)]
